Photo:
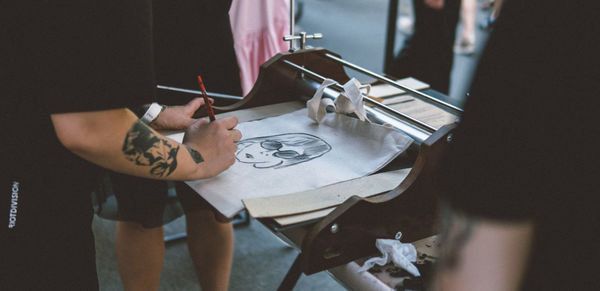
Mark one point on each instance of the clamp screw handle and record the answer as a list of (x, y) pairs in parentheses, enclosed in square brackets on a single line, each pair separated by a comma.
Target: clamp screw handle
[(302, 36)]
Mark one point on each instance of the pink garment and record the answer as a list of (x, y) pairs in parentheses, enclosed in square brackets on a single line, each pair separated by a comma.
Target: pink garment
[(258, 28)]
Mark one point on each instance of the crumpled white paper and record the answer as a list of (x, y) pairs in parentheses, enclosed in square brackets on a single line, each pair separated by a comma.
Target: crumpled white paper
[(401, 254), (350, 101), (317, 106)]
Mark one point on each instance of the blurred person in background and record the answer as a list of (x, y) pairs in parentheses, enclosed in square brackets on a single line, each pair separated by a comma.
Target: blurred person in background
[(519, 177), (428, 53)]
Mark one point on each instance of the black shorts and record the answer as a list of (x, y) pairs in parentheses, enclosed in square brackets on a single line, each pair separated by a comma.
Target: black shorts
[(145, 201)]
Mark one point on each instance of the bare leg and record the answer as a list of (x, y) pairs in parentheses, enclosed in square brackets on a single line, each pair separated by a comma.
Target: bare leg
[(468, 9), (466, 42), (497, 6), (211, 248), (140, 253)]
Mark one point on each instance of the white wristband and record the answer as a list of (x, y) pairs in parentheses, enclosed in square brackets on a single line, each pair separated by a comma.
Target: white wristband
[(152, 113)]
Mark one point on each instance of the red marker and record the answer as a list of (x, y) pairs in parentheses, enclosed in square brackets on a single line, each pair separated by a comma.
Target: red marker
[(211, 113)]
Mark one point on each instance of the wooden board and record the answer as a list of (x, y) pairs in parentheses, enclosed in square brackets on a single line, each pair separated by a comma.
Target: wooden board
[(386, 90), (424, 111), (397, 99), (297, 218), (324, 197)]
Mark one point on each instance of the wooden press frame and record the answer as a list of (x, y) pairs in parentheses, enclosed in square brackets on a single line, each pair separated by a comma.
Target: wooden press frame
[(349, 232)]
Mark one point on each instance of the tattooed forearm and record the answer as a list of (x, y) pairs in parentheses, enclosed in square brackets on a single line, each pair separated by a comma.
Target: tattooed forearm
[(456, 232), (143, 147), (196, 156)]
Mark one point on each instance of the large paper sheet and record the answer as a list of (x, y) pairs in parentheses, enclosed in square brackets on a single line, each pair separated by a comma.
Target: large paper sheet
[(291, 153), (324, 197)]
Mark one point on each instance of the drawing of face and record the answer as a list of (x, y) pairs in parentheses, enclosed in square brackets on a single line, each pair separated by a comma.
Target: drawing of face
[(281, 150)]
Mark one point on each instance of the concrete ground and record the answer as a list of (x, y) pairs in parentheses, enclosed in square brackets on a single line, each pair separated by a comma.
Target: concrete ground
[(356, 30), (260, 261)]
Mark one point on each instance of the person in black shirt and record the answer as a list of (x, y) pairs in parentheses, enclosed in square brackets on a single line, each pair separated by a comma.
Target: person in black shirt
[(520, 173), (191, 38), (67, 74), (428, 53)]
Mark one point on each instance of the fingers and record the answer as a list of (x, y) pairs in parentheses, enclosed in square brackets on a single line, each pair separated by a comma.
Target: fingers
[(189, 122), (229, 122), (236, 135), (195, 104), (199, 122)]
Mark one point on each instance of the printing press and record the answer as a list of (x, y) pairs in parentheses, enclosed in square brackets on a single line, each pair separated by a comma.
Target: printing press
[(349, 231)]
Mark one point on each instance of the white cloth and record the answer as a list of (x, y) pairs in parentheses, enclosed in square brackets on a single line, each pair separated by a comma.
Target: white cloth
[(401, 254), (344, 148)]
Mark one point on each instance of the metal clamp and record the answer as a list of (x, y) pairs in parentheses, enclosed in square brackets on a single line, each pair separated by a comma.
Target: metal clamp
[(302, 37)]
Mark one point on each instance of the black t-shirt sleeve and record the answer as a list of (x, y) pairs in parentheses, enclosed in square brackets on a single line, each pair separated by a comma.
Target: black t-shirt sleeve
[(182, 30), (514, 152), (86, 55)]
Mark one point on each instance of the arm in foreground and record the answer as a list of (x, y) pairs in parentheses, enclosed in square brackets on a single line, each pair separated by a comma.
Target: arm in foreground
[(479, 254), (117, 140)]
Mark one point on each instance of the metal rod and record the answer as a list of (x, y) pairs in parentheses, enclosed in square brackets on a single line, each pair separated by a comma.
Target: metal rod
[(337, 85), (417, 122), (292, 22), (443, 105), (313, 74), (418, 134), (210, 94), (390, 39)]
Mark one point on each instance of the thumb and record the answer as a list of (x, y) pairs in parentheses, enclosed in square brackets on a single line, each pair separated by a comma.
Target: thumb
[(198, 122), (188, 121), (192, 130), (193, 105)]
